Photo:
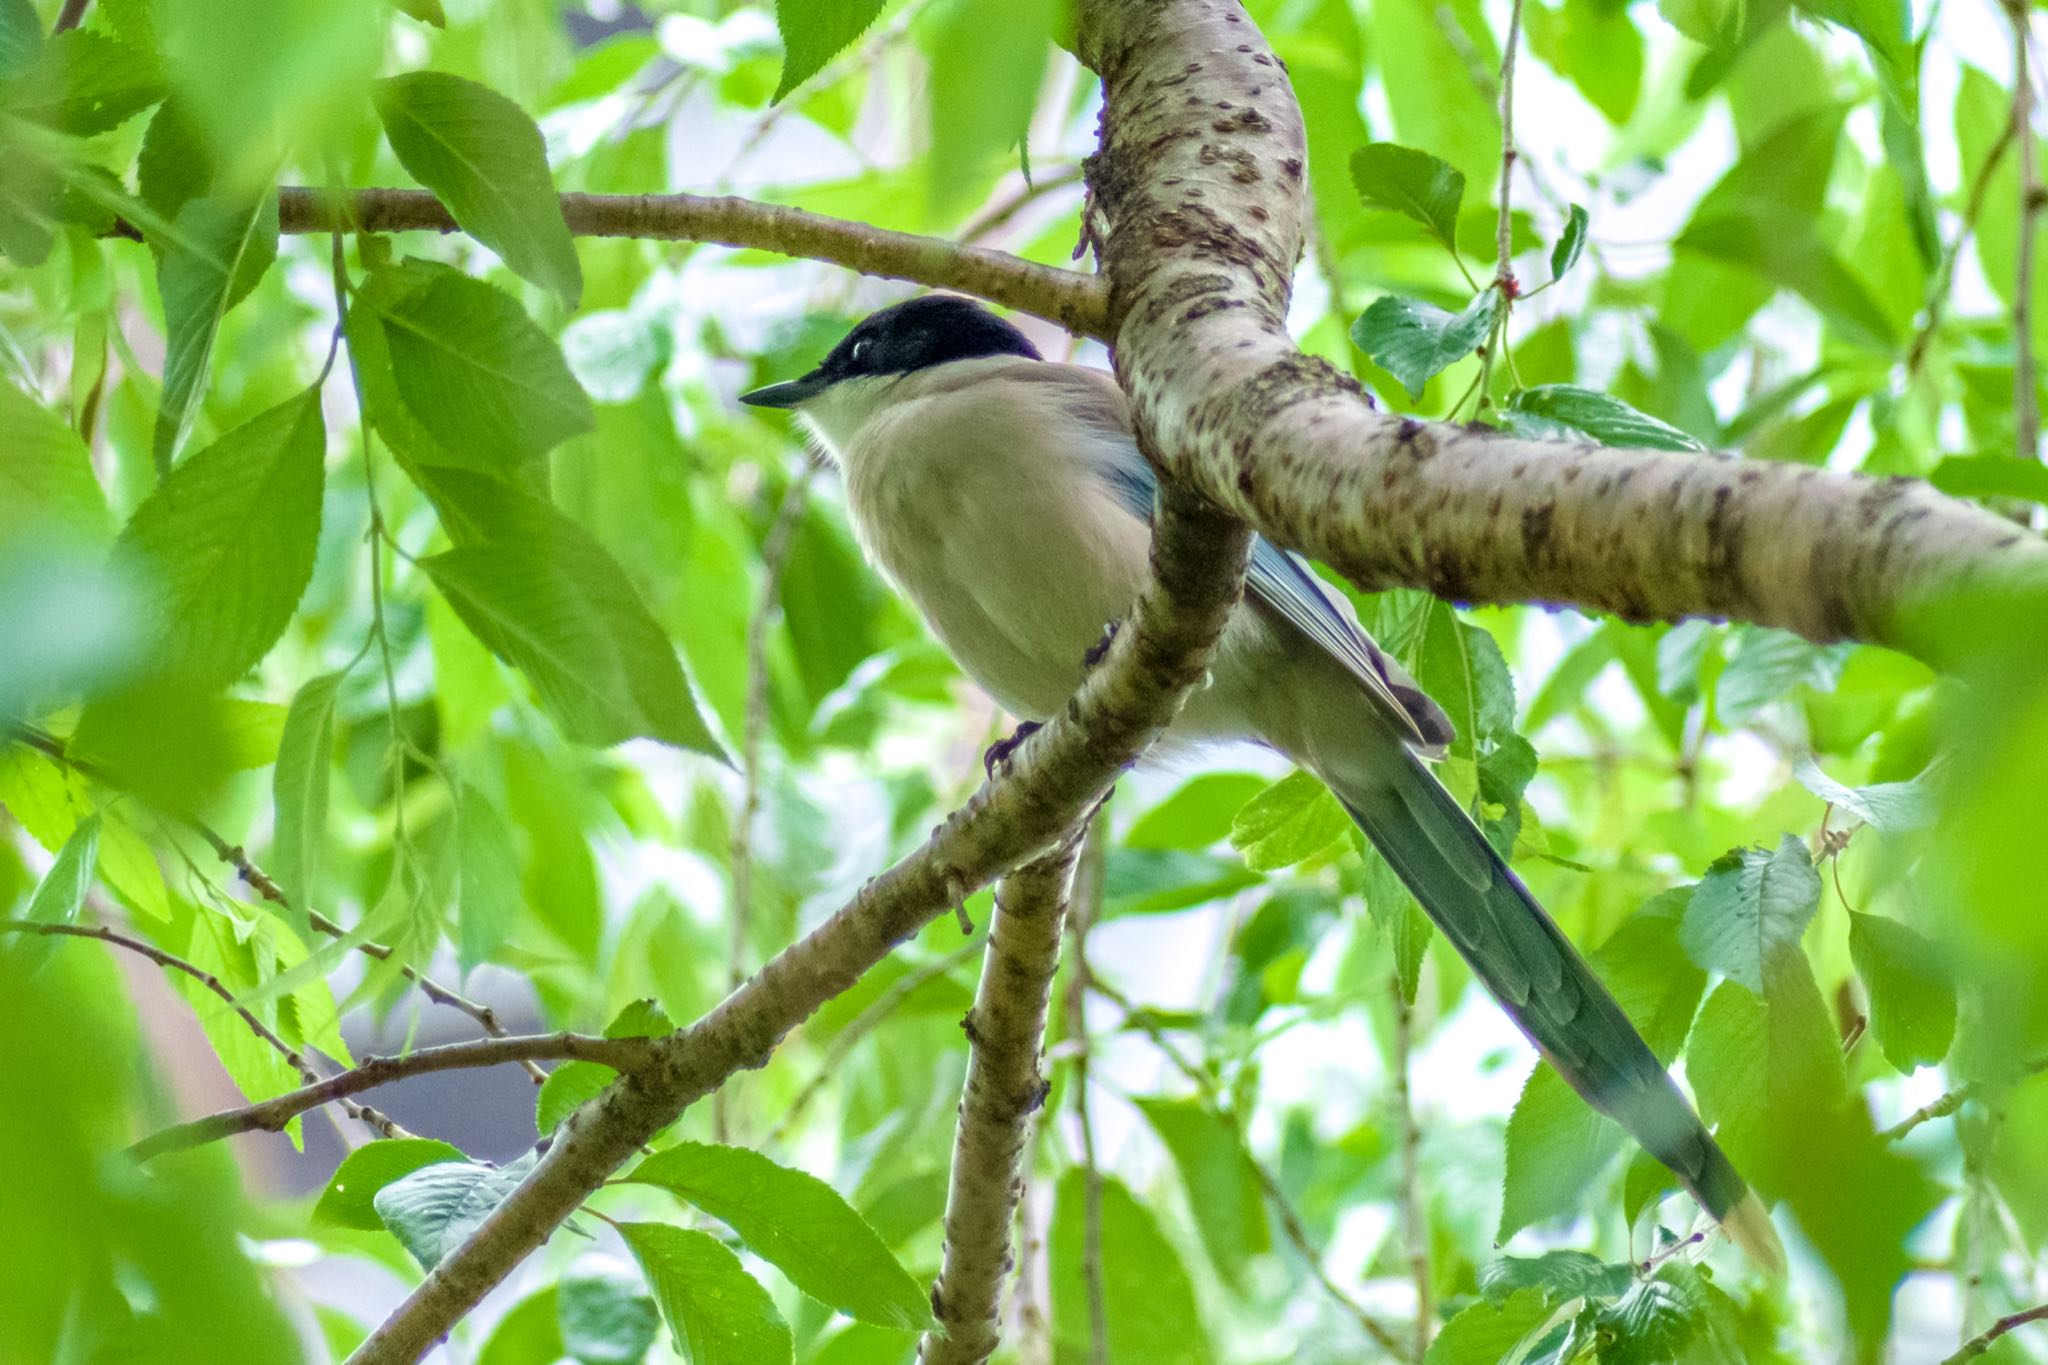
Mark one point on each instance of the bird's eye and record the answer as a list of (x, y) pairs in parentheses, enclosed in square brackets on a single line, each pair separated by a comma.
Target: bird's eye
[(859, 354)]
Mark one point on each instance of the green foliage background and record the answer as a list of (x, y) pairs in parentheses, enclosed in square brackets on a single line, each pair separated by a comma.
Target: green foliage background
[(449, 628)]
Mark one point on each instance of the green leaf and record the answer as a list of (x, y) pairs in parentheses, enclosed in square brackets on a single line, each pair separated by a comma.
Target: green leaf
[(488, 896), (1396, 912), (1751, 909), (46, 478), (426, 11), (85, 83), (530, 1333), (1411, 182), (1765, 1067), (1292, 820), (21, 37), (1222, 1188), (1150, 1310), (717, 1313), (347, 1202), (1991, 476), (223, 548), (1416, 341), (546, 598), (472, 368), (217, 253), (1570, 243), (1792, 256), (606, 1319), (483, 157), (987, 63), (299, 790), (1653, 1322), (816, 31), (1488, 1333), (568, 1088), (1557, 1146), (175, 164), (1569, 411), (1912, 990), (433, 1210), (1889, 807), (1198, 815), (60, 896), (1560, 1275), (641, 1019), (798, 1224), (1142, 881)]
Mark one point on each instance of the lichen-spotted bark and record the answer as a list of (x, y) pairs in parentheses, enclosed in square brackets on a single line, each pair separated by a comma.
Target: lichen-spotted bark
[(1198, 197), (1004, 1088), (1051, 781)]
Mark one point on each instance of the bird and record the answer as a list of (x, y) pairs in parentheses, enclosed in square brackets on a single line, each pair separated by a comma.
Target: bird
[(1005, 496)]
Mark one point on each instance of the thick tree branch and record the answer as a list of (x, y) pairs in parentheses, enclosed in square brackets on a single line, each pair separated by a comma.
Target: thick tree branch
[(1067, 297), (270, 1116), (1059, 773), (1004, 1088), (1198, 192)]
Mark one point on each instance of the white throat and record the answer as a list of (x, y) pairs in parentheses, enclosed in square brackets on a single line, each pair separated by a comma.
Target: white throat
[(836, 416)]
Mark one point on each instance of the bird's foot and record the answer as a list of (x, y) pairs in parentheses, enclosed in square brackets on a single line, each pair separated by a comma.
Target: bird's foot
[(999, 752), (1099, 651)]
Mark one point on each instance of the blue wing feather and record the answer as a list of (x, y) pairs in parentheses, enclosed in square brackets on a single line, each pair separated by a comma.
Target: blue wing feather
[(1284, 582)]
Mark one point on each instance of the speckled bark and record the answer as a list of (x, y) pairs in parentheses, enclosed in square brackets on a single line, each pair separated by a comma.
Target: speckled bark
[(1052, 780), (1198, 192), (1004, 1088)]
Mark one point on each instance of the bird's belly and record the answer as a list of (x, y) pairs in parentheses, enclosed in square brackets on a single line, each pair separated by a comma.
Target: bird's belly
[(1016, 583)]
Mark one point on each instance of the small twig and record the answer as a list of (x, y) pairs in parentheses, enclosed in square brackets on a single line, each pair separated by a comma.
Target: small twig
[(1414, 1228), (1952, 1101), (2026, 403), (1004, 1089), (1648, 1265), (71, 16), (170, 961), (1983, 1341), (263, 885), (1504, 235), (1086, 901), (270, 1116), (879, 1009), (774, 554), (1944, 270)]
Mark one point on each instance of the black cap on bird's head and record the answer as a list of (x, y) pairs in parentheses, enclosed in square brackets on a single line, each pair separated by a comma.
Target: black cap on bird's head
[(915, 335)]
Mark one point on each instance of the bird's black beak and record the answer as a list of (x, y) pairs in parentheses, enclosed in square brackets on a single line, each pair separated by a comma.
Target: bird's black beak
[(788, 394)]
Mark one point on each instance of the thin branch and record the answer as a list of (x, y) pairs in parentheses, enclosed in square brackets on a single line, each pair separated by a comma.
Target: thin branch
[(878, 1010), (263, 885), (270, 1116), (71, 16), (293, 1058), (1004, 1089), (1414, 1227), (2026, 402), (774, 554), (999, 215), (1945, 269), (1504, 234), (1087, 901), (1983, 1341), (1076, 301), (1058, 773), (1952, 1101), (1291, 1225)]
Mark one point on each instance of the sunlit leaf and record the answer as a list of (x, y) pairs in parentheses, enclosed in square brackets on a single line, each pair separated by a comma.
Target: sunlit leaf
[(1750, 910), (483, 156), (1411, 182), (1150, 1311), (1912, 990), (1570, 243), (1567, 410), (299, 790), (716, 1312), (348, 1199), (1294, 819), (798, 1224), (219, 250), (816, 31)]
